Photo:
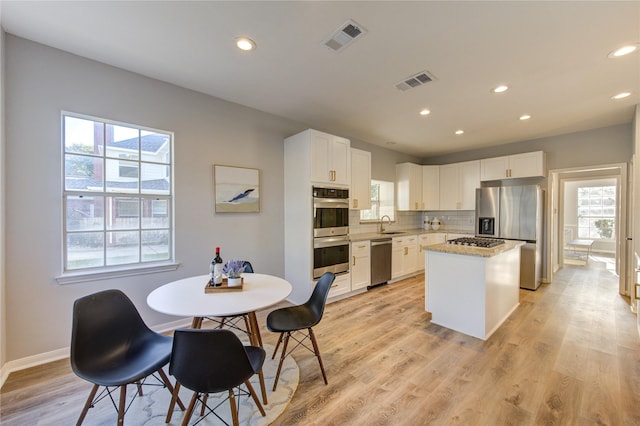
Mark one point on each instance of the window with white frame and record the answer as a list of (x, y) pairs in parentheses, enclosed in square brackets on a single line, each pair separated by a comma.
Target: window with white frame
[(382, 202), (597, 212), (117, 195)]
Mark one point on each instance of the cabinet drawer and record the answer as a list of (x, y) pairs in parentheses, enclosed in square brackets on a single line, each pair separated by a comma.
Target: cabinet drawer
[(360, 248), (341, 285)]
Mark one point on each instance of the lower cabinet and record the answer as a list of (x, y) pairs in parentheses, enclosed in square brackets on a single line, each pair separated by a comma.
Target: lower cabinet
[(428, 240), (360, 264), (341, 285), (404, 256)]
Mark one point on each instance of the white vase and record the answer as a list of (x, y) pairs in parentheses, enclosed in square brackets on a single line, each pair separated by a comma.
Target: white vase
[(234, 282)]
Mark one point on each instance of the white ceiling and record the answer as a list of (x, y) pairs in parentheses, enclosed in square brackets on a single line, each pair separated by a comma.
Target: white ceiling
[(553, 55)]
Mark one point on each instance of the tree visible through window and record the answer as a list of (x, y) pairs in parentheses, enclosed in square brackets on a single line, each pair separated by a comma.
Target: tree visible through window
[(597, 212), (117, 195), (382, 202)]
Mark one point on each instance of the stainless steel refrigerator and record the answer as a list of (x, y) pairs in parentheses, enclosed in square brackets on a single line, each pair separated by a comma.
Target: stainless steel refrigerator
[(514, 213)]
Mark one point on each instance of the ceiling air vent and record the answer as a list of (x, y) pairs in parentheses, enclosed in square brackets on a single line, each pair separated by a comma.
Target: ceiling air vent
[(415, 81), (344, 35)]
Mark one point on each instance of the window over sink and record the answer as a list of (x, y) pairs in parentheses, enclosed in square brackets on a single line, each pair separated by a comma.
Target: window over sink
[(382, 202)]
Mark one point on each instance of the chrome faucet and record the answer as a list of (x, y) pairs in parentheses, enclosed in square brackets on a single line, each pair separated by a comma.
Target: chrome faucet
[(382, 222)]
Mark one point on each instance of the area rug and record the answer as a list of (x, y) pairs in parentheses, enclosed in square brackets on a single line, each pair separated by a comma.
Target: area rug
[(151, 409)]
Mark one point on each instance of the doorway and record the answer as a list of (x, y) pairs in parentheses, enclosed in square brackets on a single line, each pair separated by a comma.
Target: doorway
[(579, 229)]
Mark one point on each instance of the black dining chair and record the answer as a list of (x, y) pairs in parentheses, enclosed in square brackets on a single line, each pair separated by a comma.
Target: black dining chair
[(292, 319), (210, 361), (111, 346)]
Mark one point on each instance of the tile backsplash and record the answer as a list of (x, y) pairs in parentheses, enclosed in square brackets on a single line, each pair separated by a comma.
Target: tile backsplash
[(461, 220)]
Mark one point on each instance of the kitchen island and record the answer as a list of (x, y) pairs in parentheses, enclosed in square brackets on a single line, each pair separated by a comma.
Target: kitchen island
[(472, 290)]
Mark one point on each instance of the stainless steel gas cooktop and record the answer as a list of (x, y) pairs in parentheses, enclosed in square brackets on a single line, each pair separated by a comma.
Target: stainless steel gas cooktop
[(476, 242)]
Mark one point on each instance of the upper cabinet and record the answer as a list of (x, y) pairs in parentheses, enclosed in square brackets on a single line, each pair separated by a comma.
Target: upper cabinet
[(430, 187), (330, 158), (530, 164), (360, 195), (409, 186), (458, 183)]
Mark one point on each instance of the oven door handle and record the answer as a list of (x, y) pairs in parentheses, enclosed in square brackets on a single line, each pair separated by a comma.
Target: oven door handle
[(330, 241), (331, 204)]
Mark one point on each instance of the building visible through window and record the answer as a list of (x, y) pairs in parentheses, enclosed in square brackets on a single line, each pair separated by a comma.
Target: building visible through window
[(597, 212), (117, 195)]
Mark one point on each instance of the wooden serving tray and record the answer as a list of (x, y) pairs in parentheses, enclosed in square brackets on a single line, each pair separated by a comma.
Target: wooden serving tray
[(209, 288)]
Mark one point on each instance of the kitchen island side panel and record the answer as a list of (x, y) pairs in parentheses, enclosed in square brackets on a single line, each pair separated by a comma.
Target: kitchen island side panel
[(472, 294), (455, 292)]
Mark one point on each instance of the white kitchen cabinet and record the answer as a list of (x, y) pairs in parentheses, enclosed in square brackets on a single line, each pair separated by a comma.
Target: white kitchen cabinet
[(360, 264), (428, 240), (330, 158), (341, 285), (529, 164), (409, 186), (458, 183), (404, 255), (360, 192), (430, 187)]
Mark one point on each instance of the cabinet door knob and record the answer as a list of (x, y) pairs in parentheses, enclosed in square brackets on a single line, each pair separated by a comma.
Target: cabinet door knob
[(354, 261)]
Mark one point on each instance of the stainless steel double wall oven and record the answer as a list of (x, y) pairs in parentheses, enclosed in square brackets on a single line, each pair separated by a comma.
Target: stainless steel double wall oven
[(330, 230)]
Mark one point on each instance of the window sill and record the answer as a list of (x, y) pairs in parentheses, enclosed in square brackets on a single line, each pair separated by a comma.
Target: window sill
[(105, 274)]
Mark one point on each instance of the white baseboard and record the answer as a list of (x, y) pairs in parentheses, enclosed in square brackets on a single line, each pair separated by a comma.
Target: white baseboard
[(46, 357)]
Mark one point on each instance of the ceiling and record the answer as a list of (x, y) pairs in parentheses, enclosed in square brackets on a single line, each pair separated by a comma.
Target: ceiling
[(552, 55)]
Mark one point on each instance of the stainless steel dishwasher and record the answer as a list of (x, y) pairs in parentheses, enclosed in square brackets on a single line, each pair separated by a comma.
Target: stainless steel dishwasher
[(380, 261)]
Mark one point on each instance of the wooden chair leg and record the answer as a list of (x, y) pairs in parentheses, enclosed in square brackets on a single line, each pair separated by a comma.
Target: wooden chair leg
[(275, 351), (172, 404), (205, 398), (234, 409), (192, 404), (284, 353), (139, 385), (87, 404), (317, 351), (122, 405), (169, 386), (255, 397)]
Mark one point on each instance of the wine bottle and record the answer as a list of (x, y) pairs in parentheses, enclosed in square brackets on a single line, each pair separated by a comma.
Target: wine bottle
[(217, 268)]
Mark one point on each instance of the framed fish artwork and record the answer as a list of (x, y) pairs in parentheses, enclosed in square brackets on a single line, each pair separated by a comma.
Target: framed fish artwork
[(237, 189)]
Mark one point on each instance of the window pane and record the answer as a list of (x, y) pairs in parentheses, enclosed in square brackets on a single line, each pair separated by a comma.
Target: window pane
[(82, 173), (123, 248), (583, 232), (117, 183), (155, 179), (85, 213), (123, 142), (155, 213), (85, 250), (83, 136), (124, 213), (155, 245), (156, 147)]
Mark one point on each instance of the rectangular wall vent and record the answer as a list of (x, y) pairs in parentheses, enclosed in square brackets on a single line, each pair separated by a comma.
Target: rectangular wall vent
[(416, 80), (344, 36)]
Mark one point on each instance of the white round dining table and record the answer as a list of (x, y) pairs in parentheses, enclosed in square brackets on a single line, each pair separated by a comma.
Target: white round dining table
[(187, 298)]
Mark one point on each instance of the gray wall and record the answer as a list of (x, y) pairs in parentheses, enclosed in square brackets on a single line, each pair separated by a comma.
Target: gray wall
[(3, 322), (41, 82), (608, 145)]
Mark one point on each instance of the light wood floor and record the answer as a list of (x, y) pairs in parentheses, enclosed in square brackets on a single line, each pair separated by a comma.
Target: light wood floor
[(569, 355)]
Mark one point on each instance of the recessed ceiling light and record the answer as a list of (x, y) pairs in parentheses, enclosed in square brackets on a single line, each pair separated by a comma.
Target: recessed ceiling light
[(525, 117), (621, 95), (624, 50), (500, 89), (459, 132), (425, 112), (244, 43)]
